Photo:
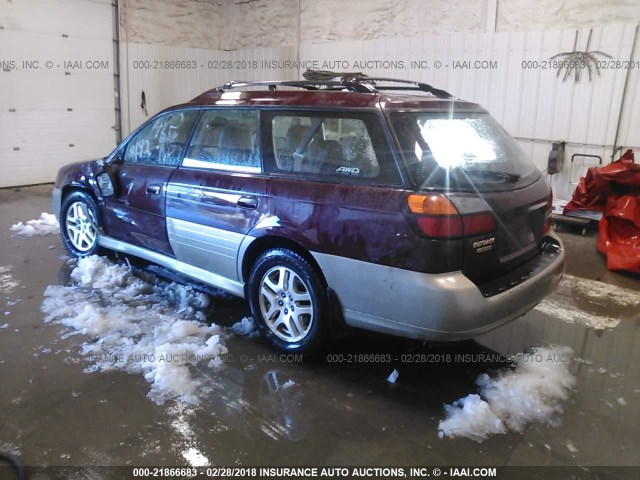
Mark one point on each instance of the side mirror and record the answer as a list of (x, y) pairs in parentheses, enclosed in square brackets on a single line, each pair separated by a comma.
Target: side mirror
[(556, 158), (105, 184)]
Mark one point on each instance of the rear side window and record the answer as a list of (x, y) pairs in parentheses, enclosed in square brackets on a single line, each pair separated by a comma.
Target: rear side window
[(161, 142), (225, 140), (332, 146)]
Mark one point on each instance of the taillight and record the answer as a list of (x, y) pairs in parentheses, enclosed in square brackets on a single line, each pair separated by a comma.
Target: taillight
[(438, 217), (478, 223), (441, 226), (547, 215)]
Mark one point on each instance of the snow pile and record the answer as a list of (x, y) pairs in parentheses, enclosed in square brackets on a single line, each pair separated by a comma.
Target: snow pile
[(530, 393), (137, 324), (244, 327), (45, 225), (470, 417)]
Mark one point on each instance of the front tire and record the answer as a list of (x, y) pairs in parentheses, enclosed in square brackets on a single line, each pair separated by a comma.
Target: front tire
[(79, 224), (289, 302)]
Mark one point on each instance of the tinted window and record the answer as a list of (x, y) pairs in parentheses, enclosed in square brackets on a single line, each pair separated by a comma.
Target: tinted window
[(332, 146), (162, 141), (466, 150), (225, 139)]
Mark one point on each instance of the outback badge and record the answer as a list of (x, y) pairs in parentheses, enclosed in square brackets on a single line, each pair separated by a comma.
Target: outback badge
[(484, 245)]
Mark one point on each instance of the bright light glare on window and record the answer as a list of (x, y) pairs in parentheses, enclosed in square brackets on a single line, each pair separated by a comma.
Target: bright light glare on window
[(455, 142), (418, 150)]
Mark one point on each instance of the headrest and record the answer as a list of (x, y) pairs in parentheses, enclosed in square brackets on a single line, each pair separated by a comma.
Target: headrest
[(236, 137)]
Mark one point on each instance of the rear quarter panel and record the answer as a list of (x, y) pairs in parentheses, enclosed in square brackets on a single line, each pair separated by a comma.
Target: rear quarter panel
[(355, 221)]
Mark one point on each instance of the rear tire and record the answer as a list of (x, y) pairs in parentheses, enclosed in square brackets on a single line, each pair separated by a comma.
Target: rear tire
[(79, 224), (289, 302)]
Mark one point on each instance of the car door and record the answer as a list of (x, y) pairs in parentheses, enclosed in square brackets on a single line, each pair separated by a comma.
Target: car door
[(219, 192), (135, 213)]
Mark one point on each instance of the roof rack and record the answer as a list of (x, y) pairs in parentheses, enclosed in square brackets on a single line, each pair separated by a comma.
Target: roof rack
[(405, 85), (358, 83)]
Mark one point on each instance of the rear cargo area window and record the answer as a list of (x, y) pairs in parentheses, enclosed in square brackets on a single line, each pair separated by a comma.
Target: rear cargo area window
[(470, 151)]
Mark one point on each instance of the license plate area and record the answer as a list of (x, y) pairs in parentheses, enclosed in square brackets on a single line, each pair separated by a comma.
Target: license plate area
[(516, 232)]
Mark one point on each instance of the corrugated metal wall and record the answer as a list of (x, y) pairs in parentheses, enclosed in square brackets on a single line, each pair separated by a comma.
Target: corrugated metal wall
[(534, 104)]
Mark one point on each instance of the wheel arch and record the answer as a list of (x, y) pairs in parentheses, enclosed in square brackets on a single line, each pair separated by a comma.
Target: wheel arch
[(269, 242), (73, 187), (78, 187)]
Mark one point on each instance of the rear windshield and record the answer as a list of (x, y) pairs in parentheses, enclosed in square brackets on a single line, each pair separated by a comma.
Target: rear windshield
[(467, 151)]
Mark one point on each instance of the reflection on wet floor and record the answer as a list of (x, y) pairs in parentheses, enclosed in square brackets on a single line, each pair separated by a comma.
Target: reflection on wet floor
[(264, 409)]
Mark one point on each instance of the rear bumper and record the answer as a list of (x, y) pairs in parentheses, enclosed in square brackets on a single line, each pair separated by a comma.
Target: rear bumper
[(434, 307)]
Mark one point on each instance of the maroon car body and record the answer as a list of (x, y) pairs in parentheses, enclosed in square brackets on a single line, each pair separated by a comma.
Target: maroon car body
[(244, 173)]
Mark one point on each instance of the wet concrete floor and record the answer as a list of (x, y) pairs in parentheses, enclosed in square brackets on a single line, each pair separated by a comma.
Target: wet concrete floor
[(337, 413)]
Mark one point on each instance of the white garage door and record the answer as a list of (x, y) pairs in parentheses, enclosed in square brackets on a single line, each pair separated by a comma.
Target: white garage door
[(56, 86)]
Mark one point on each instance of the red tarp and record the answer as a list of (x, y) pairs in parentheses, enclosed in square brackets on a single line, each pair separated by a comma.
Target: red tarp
[(614, 190)]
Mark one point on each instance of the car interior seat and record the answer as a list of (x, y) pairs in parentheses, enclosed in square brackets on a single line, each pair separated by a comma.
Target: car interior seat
[(236, 145)]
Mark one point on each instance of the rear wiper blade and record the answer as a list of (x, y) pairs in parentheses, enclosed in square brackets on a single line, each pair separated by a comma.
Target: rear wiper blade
[(510, 177)]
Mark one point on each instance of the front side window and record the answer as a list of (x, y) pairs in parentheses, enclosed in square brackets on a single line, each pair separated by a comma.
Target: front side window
[(326, 146), (225, 140), (162, 141), (464, 150)]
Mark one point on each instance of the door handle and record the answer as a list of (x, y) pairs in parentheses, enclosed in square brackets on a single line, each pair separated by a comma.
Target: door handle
[(248, 202), (154, 189)]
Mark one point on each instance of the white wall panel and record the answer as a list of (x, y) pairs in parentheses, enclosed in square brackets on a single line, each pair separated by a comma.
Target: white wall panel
[(166, 87), (76, 18), (54, 115)]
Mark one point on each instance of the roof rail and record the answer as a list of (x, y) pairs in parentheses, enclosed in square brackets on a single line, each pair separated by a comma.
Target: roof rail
[(304, 84), (354, 82)]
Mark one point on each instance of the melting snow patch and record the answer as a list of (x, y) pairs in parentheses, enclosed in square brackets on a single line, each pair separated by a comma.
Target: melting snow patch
[(187, 442), (45, 225), (137, 324), (10, 448), (532, 392), (579, 300), (571, 447), (393, 376), (288, 384), (7, 283)]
